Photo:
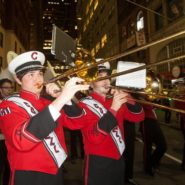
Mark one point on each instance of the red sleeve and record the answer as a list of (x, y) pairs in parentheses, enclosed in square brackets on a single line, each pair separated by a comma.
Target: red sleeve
[(180, 105), (88, 124), (132, 116), (12, 120)]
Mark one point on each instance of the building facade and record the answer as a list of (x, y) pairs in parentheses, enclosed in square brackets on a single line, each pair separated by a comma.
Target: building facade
[(133, 30), (98, 27), (15, 30), (36, 25), (150, 21), (172, 22), (62, 13)]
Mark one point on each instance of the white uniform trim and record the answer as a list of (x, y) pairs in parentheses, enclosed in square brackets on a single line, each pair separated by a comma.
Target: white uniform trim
[(51, 142), (100, 110)]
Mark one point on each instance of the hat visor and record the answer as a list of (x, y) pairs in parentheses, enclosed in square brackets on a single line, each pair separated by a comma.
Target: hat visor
[(108, 71), (23, 72)]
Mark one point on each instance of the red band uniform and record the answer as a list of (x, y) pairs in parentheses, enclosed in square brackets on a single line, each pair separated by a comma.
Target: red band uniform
[(99, 145), (33, 126), (103, 134)]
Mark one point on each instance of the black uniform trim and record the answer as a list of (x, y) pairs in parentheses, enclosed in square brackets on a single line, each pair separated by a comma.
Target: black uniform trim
[(136, 108), (73, 110), (107, 171), (41, 124), (107, 122), (22, 177)]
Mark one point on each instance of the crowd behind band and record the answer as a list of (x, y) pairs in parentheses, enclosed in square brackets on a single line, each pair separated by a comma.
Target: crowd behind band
[(149, 127)]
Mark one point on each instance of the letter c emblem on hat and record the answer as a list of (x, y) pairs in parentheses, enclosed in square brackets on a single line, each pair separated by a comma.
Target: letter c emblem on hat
[(33, 55)]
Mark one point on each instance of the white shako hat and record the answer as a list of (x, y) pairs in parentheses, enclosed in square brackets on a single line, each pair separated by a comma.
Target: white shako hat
[(28, 61), (104, 66)]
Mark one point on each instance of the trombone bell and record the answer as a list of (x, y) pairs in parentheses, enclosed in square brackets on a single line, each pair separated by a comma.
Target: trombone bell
[(84, 59), (140, 79)]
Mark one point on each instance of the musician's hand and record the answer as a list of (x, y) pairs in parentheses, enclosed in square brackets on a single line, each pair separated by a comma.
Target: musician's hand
[(70, 88), (130, 99), (53, 90), (119, 98)]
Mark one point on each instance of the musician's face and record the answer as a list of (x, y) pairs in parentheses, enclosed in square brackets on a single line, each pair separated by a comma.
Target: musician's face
[(101, 87), (32, 81)]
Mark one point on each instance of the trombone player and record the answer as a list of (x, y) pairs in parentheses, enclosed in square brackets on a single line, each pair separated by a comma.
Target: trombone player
[(103, 130), (33, 126)]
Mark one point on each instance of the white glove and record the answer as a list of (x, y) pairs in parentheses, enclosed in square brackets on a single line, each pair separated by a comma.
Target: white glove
[(53, 90), (70, 88)]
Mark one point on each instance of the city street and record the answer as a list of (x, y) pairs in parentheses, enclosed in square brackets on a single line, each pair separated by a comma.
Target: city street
[(169, 173), (113, 48)]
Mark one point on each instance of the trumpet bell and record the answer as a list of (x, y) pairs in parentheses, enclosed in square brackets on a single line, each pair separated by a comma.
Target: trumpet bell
[(84, 59)]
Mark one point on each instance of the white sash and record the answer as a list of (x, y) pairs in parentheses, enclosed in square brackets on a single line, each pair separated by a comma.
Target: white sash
[(51, 142), (100, 110)]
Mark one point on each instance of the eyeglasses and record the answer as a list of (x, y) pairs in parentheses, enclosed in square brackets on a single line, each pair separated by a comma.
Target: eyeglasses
[(6, 87)]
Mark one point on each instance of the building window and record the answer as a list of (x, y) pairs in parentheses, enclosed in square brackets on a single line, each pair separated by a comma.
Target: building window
[(158, 19), (1, 39), (140, 21), (173, 49), (90, 2), (93, 52), (131, 28), (123, 32), (96, 4), (111, 13), (87, 9), (91, 14), (175, 9), (104, 40), (97, 47)]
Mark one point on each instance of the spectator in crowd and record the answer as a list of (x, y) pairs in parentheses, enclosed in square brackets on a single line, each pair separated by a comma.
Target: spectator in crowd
[(129, 132), (6, 89), (76, 145), (152, 134)]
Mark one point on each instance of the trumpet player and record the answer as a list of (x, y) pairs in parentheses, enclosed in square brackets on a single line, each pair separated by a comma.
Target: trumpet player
[(33, 126), (103, 131)]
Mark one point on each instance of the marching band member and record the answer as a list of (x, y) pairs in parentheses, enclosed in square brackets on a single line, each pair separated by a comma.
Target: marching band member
[(33, 126), (181, 105), (103, 132), (152, 134)]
